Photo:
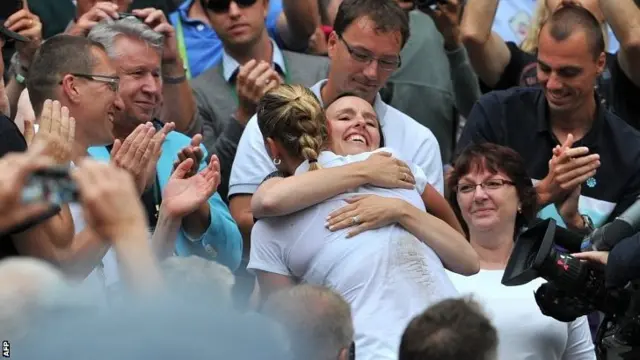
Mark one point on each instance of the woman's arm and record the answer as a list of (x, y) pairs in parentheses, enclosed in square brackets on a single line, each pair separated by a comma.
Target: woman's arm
[(452, 247), (282, 196), (270, 283), (438, 206), (372, 212)]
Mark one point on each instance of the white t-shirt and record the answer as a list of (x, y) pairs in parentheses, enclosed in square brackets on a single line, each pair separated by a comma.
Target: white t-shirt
[(523, 331), (415, 142), (387, 275)]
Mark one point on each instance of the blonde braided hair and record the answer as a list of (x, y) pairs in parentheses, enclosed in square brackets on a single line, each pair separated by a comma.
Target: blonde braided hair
[(292, 115)]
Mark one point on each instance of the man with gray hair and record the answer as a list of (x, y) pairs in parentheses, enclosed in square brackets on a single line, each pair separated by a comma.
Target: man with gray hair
[(317, 319), (28, 287), (140, 53)]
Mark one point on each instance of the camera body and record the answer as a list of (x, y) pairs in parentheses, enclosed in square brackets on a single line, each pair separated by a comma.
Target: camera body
[(574, 288), (50, 185)]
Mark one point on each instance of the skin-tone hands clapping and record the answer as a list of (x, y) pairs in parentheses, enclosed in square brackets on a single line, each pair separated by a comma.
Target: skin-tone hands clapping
[(183, 194), (570, 168), (140, 151), (56, 132)]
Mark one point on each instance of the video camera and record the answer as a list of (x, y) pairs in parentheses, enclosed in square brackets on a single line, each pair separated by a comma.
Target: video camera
[(576, 288)]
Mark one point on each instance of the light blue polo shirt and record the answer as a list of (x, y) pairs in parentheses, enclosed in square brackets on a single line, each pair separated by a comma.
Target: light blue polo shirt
[(203, 46)]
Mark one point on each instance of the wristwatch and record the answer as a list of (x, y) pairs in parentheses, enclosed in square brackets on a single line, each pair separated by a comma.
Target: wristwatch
[(20, 71)]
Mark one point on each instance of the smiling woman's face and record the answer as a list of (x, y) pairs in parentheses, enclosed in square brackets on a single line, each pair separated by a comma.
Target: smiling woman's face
[(353, 126)]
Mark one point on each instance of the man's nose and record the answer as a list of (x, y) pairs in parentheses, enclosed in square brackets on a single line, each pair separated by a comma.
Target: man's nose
[(554, 82), (371, 70)]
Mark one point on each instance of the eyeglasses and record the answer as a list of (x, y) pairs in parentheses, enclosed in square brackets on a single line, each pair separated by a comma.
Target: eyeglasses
[(222, 6), (366, 57), (492, 184), (113, 82)]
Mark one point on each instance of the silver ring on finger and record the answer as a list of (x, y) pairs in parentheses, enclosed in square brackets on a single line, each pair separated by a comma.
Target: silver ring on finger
[(355, 220)]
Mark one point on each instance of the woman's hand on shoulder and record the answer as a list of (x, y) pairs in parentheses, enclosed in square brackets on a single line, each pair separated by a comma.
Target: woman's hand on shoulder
[(383, 170)]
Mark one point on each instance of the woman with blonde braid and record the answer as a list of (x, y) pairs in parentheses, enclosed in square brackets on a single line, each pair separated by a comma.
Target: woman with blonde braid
[(388, 274)]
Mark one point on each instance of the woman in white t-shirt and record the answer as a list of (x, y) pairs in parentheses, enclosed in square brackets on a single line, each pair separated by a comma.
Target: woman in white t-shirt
[(496, 199), (387, 274)]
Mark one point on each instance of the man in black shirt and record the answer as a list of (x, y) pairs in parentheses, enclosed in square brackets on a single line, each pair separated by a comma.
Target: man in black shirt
[(604, 165), (501, 65)]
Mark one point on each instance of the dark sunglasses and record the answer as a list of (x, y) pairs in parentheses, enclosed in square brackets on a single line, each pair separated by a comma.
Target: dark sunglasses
[(222, 6)]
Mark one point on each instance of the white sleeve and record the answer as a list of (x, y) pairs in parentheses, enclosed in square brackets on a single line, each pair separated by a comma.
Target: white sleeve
[(252, 163), (267, 252), (579, 343), (421, 178)]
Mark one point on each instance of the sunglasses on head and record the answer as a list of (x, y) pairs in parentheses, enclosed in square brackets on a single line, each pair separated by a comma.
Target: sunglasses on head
[(222, 6)]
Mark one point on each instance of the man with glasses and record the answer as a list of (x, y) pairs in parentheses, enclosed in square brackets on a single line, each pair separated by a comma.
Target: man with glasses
[(138, 48), (364, 49), (289, 22), (77, 74), (252, 63)]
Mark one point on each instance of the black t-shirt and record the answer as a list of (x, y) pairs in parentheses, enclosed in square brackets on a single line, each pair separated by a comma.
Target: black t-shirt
[(11, 140), (619, 92), (518, 118)]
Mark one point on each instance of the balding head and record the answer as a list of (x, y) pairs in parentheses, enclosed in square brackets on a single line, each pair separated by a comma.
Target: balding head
[(29, 286), (318, 320)]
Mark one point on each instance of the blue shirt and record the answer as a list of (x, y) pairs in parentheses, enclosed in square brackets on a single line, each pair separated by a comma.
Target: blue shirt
[(222, 241), (203, 46)]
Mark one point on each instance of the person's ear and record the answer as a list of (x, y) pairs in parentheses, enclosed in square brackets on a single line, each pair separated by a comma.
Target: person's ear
[(272, 148), (70, 88), (332, 44)]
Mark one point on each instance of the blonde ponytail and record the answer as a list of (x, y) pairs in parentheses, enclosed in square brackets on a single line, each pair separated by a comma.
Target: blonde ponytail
[(292, 115)]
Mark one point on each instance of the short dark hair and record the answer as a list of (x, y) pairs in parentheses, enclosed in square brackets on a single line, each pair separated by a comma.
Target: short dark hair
[(386, 14), (453, 329), (571, 17), (56, 57), (495, 158)]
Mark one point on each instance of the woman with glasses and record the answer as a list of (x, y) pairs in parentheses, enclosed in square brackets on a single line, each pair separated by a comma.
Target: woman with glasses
[(387, 274), (496, 199)]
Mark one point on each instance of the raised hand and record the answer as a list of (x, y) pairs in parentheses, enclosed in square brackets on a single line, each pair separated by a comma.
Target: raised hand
[(182, 196), (27, 24), (446, 17), (56, 133), (568, 168), (14, 172), (254, 80), (136, 153), (157, 21), (90, 13), (194, 152)]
